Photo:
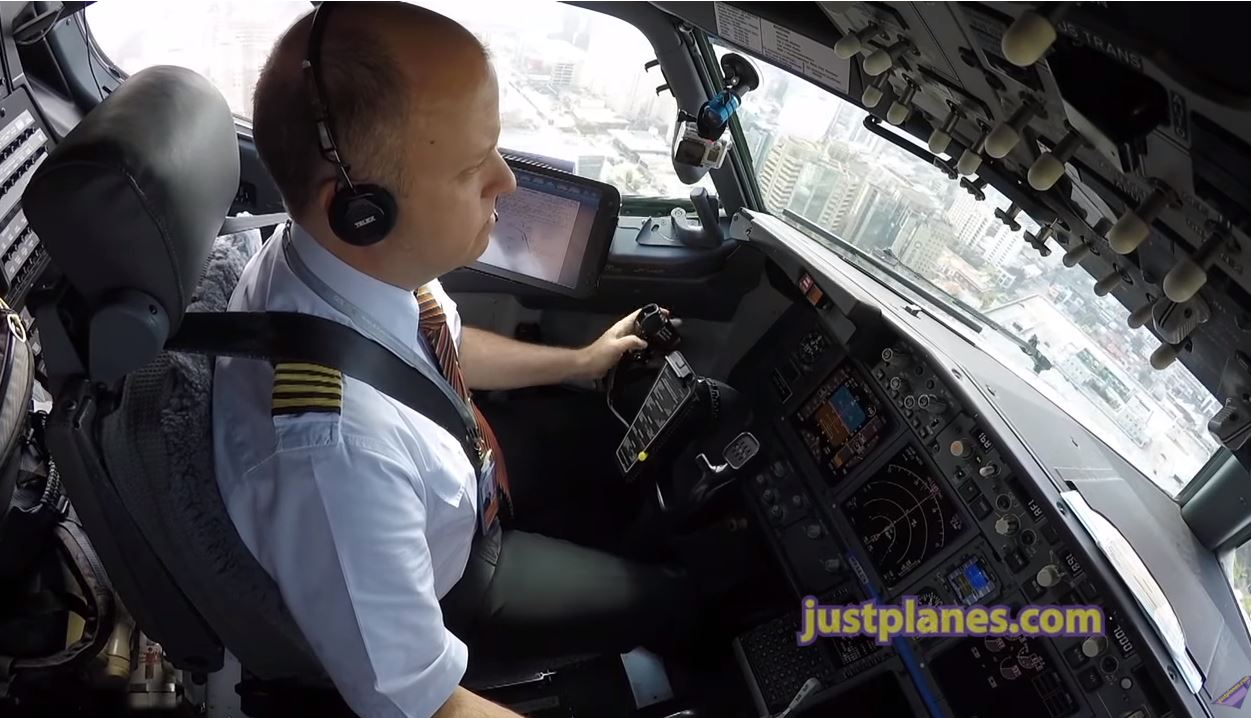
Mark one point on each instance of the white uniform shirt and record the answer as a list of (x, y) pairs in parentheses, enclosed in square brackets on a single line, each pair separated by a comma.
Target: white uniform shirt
[(364, 518)]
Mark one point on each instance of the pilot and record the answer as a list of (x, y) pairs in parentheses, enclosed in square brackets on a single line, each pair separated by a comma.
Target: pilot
[(366, 513)]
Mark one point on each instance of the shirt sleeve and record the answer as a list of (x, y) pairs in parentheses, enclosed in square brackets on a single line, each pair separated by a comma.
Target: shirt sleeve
[(348, 550)]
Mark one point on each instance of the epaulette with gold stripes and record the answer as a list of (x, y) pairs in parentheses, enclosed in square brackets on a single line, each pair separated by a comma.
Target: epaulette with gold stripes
[(301, 388)]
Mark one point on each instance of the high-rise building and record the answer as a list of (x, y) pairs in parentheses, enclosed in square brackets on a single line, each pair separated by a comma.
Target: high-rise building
[(825, 193), (780, 173), (921, 242), (1001, 246), (970, 220)]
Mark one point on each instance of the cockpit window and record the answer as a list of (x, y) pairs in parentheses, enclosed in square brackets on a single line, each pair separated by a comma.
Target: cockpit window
[(817, 164), (573, 86)]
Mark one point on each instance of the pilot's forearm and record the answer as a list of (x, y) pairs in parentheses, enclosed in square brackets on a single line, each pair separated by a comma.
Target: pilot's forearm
[(464, 704), (490, 361)]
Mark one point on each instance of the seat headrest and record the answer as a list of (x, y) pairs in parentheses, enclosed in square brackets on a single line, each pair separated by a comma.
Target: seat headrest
[(128, 205)]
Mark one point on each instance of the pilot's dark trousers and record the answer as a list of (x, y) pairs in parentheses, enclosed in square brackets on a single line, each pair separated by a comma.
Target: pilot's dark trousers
[(531, 591)]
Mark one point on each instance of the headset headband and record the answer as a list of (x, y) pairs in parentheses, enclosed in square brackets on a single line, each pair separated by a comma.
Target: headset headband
[(317, 94)]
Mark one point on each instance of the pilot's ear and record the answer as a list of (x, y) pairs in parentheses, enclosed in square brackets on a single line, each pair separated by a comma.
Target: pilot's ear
[(325, 195)]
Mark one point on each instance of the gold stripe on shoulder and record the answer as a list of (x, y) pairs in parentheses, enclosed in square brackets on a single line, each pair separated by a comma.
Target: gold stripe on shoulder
[(303, 388), (303, 367)]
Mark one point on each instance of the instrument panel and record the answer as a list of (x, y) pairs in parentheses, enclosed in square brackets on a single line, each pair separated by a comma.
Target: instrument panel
[(882, 486)]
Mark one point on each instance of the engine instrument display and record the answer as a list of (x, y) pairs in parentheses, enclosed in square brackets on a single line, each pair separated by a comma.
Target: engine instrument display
[(902, 516), (980, 676), (840, 423)]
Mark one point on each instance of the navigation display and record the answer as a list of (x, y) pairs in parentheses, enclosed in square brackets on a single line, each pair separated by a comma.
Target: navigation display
[(979, 676), (840, 423), (902, 516)]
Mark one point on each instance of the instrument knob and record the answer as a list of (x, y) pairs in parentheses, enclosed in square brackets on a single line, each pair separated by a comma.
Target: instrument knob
[(932, 403), (1094, 646), (898, 383), (1048, 575), (769, 496), (813, 531), (896, 356), (1007, 525), (776, 512), (961, 448)]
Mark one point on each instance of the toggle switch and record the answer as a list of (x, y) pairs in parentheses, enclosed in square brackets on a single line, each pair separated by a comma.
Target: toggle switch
[(1049, 167), (940, 138), (1140, 316), (1028, 38), (882, 60), (1008, 134), (1164, 355), (1108, 283), (902, 107), (1189, 275), (1076, 253), (971, 159), (1008, 217), (850, 44), (1133, 228), (874, 92)]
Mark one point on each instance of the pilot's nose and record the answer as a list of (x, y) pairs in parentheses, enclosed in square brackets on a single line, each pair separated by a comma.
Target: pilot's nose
[(506, 181)]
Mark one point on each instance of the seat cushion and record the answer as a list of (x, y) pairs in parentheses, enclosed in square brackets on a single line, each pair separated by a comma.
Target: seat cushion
[(159, 450)]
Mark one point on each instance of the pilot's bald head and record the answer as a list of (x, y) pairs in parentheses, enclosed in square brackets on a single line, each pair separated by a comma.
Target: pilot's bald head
[(386, 67)]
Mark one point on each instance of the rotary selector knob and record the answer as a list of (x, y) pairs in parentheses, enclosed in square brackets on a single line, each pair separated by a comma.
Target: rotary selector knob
[(1094, 646), (1048, 575), (813, 531), (1007, 525), (932, 403), (961, 448)]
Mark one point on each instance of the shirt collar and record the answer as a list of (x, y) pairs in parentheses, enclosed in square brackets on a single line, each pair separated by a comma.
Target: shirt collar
[(393, 308)]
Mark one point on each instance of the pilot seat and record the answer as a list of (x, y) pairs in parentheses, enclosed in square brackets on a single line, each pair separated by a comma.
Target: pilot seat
[(130, 206)]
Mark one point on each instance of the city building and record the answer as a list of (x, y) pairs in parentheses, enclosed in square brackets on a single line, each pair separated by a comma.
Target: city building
[(920, 243), (970, 220), (1001, 246), (780, 173), (826, 192)]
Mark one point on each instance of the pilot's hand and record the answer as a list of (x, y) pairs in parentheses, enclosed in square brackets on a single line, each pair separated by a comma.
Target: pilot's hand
[(604, 353)]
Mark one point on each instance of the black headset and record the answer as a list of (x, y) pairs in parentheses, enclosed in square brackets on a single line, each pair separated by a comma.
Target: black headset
[(360, 214)]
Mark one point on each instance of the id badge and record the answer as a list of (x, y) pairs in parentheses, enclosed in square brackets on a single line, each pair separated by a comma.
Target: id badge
[(488, 494)]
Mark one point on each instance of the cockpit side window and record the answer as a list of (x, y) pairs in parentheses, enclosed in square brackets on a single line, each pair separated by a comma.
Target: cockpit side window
[(573, 87)]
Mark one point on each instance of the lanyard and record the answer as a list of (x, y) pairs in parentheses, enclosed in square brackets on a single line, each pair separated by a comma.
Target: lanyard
[(375, 331)]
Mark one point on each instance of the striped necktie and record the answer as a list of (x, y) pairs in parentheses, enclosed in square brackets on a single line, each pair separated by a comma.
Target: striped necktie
[(433, 326)]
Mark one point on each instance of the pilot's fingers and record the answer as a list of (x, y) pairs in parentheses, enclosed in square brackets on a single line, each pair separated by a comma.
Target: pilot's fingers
[(630, 343)]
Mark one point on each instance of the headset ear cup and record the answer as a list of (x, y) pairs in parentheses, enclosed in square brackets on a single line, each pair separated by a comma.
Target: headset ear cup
[(364, 216)]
